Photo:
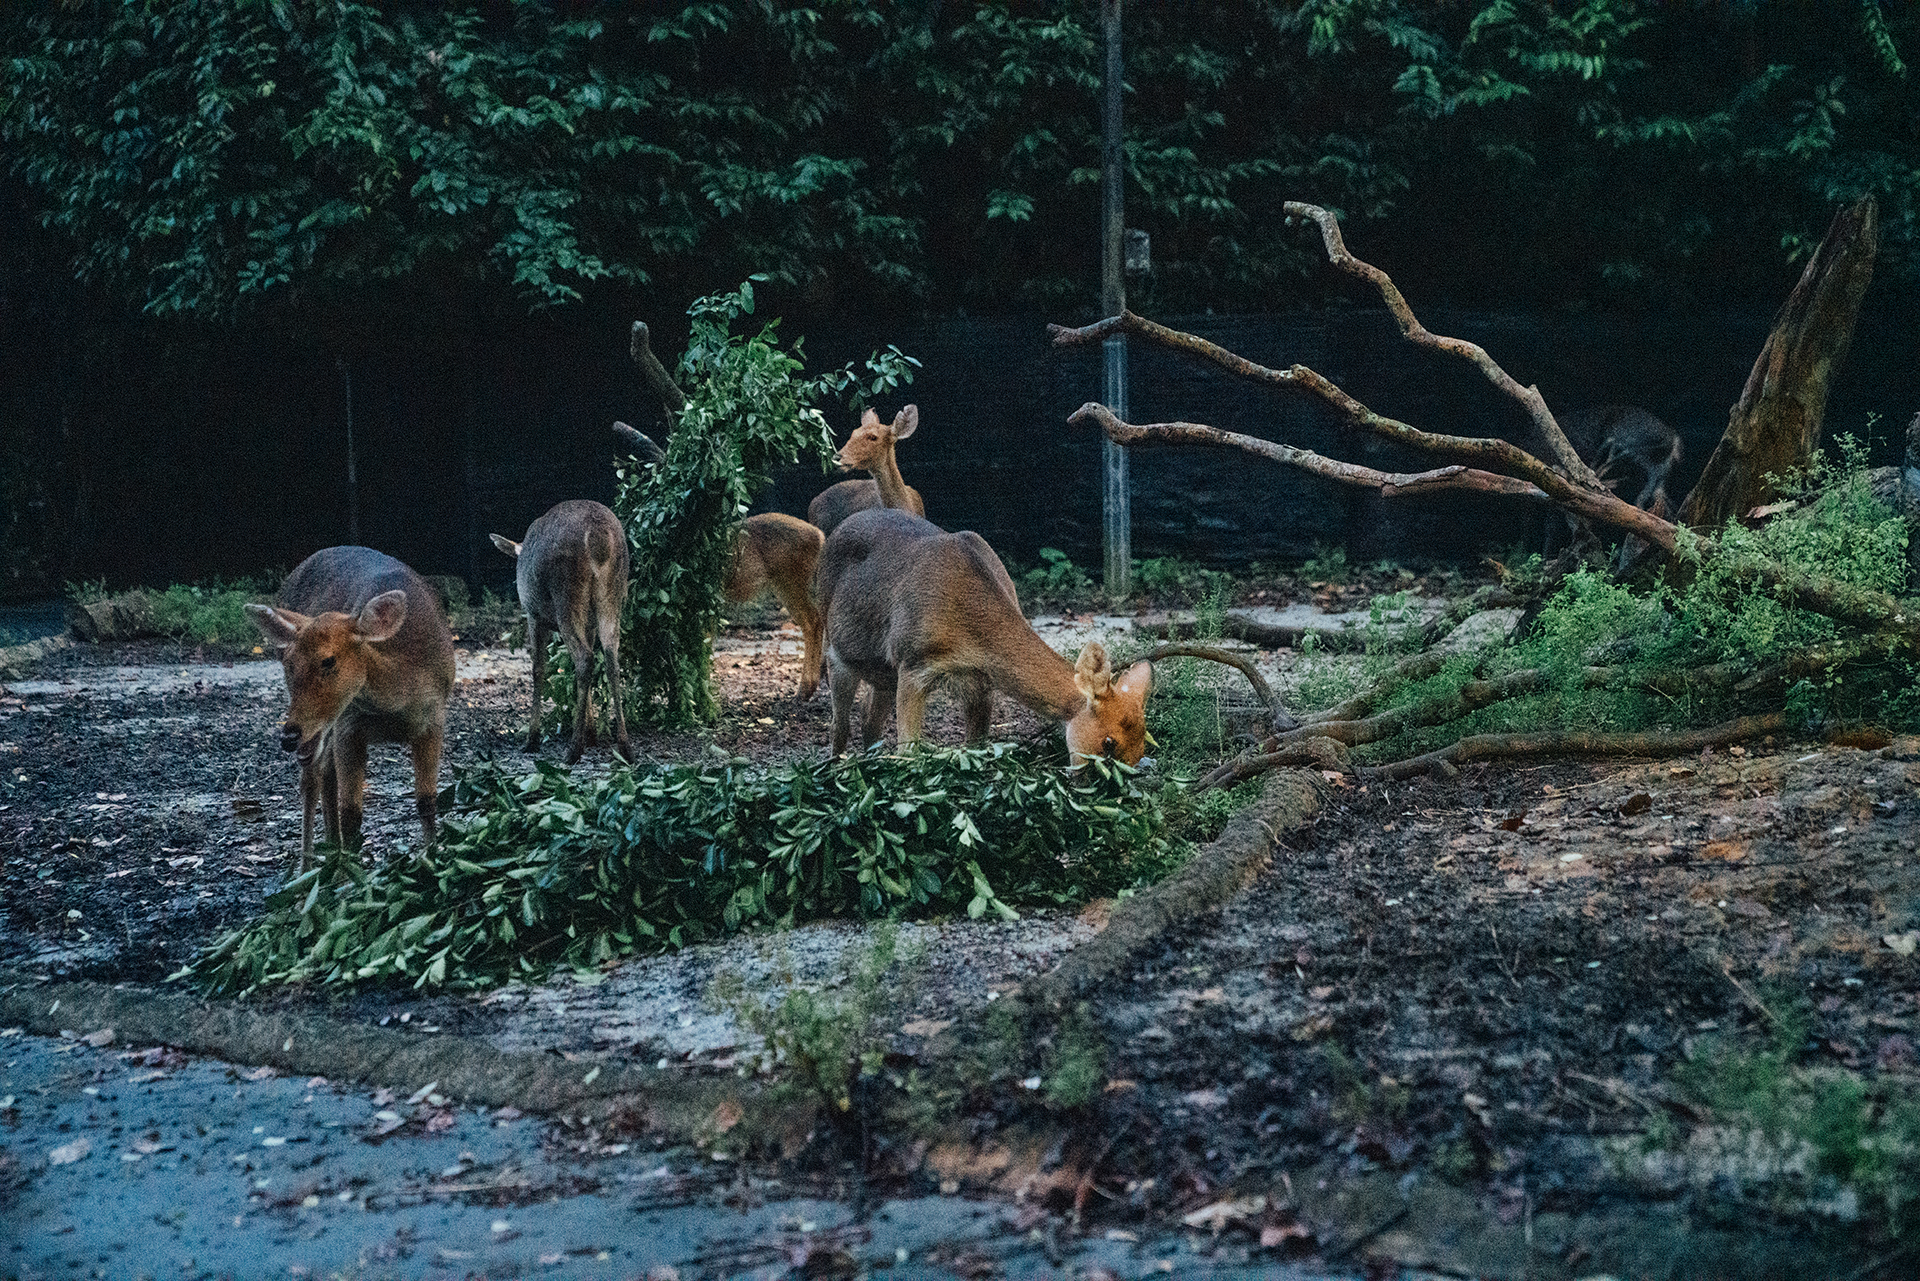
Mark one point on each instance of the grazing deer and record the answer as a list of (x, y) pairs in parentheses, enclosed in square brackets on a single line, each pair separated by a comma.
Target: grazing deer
[(780, 551), (1613, 435), (869, 448), (368, 659), (909, 605), (572, 575)]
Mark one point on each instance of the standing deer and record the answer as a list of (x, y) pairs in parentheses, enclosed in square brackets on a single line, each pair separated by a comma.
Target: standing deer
[(870, 448), (368, 659), (909, 605), (572, 575), (1614, 434), (780, 551)]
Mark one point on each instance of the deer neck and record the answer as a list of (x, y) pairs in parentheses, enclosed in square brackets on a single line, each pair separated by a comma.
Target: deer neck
[(893, 487), (1026, 669)]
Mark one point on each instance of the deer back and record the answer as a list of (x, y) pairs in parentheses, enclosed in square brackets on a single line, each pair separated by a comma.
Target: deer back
[(572, 565), (902, 594)]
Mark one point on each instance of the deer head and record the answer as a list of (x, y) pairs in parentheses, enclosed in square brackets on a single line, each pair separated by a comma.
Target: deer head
[(326, 658), (1114, 721), (873, 441)]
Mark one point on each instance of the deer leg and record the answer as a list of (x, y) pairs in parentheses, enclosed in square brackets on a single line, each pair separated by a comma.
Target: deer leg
[(426, 776), (581, 651), (842, 686), (976, 700), (309, 801), (537, 634), (909, 705), (328, 786), (610, 654), (350, 768)]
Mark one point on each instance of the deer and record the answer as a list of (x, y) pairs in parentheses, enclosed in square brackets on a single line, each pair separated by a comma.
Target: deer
[(571, 573), (909, 605), (368, 658), (782, 551), (1612, 435), (869, 448)]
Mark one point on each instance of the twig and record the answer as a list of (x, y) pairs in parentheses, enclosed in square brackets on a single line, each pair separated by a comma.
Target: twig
[(1726, 969), (1323, 753), (1389, 484)]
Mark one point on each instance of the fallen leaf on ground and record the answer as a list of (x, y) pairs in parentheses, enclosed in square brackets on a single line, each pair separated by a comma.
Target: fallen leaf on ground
[(1902, 944), (100, 1039), (68, 1153), (925, 1027)]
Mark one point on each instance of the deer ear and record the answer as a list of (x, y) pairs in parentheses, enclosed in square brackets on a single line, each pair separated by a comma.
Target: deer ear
[(868, 418), (280, 626), (905, 421), (1136, 681), (381, 617), (1092, 675), (506, 545)]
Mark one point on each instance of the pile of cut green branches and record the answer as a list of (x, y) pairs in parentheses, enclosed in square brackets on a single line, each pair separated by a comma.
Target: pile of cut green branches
[(541, 869)]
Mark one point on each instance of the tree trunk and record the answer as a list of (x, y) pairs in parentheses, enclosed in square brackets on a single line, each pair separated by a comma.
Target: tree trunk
[(1776, 424)]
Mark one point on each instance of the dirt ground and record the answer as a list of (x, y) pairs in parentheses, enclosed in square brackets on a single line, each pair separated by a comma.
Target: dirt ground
[(1454, 1004)]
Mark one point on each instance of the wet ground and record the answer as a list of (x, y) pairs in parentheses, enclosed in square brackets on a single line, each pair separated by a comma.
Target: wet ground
[(1436, 1034)]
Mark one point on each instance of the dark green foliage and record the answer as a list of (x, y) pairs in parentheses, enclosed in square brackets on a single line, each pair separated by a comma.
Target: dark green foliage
[(542, 869), (748, 410), (194, 156), (1722, 618), (1827, 1128)]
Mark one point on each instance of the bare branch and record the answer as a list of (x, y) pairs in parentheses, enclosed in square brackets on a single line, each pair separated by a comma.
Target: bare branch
[(655, 373), (1529, 398), (1280, 719), (638, 443), (1323, 753), (1390, 484)]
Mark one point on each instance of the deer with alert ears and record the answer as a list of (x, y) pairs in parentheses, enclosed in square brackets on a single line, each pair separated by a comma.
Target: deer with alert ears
[(909, 606), (368, 659), (571, 574), (870, 448)]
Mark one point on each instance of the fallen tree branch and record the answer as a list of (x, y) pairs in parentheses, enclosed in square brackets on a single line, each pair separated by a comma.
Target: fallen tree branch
[(1483, 747), (639, 444), (1529, 398), (1319, 752)]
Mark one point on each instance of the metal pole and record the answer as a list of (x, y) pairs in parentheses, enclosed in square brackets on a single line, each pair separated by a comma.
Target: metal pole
[(1116, 520), (353, 478)]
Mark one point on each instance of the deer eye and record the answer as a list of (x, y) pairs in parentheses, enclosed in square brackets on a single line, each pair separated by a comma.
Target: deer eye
[(1108, 746), (326, 664)]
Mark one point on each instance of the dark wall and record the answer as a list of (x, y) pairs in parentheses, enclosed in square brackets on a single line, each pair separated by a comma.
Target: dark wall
[(201, 455)]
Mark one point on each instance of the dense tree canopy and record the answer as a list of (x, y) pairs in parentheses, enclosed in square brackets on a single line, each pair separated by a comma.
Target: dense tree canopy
[(198, 158)]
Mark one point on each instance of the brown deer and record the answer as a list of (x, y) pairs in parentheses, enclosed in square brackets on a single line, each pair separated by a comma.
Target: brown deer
[(869, 448), (368, 659), (571, 574), (780, 551), (909, 605)]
